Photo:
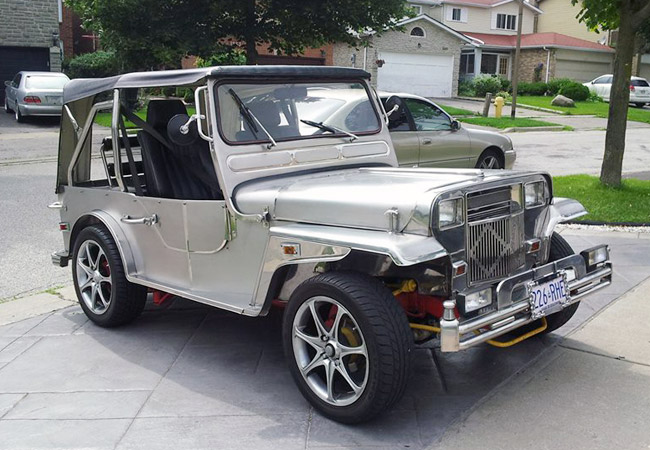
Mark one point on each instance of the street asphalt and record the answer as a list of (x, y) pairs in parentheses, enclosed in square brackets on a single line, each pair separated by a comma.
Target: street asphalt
[(186, 376)]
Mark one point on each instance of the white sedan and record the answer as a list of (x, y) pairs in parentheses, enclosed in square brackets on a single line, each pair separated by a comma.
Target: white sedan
[(639, 89)]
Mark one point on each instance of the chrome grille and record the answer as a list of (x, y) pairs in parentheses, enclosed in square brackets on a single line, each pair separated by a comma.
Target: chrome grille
[(495, 235)]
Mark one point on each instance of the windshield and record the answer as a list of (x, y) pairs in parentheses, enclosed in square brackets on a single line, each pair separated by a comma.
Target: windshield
[(45, 82), (294, 110)]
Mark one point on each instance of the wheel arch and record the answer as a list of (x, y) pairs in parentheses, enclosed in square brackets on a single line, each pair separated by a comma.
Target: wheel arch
[(103, 218)]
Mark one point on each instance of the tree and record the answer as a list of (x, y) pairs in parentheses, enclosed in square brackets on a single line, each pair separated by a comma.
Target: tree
[(150, 33), (630, 17)]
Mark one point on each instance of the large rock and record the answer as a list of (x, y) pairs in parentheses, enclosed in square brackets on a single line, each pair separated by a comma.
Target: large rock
[(561, 100)]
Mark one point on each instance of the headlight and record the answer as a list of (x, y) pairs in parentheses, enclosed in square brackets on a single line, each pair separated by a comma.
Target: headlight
[(535, 194), (450, 213)]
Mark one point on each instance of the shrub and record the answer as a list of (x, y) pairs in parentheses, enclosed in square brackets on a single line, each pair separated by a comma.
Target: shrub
[(536, 88), (466, 89), (575, 91), (506, 84), (555, 85), (486, 83), (506, 95), (231, 57), (91, 65), (595, 98)]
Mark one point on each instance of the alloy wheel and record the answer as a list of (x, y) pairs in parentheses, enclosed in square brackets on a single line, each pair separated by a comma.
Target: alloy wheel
[(330, 351), (489, 162), (94, 277)]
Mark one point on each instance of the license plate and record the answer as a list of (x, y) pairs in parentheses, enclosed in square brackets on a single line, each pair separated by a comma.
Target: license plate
[(548, 297), (56, 101)]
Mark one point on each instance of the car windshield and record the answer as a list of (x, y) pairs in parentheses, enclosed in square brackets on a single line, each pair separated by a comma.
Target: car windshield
[(294, 110), (45, 82)]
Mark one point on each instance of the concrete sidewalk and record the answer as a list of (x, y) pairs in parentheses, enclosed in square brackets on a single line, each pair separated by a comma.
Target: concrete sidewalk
[(593, 391), (186, 376)]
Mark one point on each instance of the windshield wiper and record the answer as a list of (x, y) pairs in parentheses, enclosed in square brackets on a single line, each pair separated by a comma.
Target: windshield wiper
[(250, 118), (330, 128)]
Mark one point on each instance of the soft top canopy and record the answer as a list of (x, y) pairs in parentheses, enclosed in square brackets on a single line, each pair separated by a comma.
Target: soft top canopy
[(85, 87)]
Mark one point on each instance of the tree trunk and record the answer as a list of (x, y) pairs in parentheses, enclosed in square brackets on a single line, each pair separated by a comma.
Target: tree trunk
[(249, 33), (611, 170)]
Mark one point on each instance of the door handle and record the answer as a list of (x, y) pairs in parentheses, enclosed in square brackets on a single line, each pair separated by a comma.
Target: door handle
[(427, 141), (140, 220)]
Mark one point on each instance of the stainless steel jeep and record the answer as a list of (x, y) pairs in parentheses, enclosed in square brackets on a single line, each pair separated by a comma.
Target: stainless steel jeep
[(281, 189)]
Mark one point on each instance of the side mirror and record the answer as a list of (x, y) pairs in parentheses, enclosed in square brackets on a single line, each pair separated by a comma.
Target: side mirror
[(182, 130), (455, 125), (394, 107), (7, 83)]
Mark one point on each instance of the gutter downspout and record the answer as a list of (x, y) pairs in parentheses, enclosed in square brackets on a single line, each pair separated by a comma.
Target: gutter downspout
[(548, 61)]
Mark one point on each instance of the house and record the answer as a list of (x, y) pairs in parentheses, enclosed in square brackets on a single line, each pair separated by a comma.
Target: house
[(545, 53), (423, 59), (29, 37)]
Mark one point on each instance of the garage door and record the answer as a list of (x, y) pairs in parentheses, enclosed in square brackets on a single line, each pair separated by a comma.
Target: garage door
[(15, 59), (581, 70), (425, 75)]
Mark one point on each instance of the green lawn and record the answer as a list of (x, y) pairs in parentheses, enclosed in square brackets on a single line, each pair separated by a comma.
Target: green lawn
[(457, 111), (599, 109), (629, 203), (104, 118), (507, 122)]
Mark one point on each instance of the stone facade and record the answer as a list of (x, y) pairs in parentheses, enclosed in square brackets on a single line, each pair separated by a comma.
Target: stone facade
[(31, 23), (436, 41)]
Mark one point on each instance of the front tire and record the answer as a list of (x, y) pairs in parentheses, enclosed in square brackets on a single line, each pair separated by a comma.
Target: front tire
[(347, 343), (489, 159), (104, 294), (560, 248), (640, 105)]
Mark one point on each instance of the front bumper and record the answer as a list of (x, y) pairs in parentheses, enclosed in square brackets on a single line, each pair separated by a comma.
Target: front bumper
[(510, 156), (513, 313)]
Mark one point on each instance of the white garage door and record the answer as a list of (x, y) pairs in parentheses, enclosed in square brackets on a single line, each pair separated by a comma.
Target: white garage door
[(425, 75)]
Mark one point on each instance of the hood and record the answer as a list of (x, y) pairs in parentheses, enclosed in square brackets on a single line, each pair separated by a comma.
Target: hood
[(358, 198)]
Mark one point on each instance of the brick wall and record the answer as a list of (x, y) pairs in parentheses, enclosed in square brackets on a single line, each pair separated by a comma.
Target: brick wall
[(530, 59), (30, 23)]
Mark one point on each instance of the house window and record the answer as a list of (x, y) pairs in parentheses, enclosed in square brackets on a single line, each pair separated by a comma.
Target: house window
[(417, 9), (417, 32), (455, 14), (467, 63), (506, 22), (489, 64), (503, 66)]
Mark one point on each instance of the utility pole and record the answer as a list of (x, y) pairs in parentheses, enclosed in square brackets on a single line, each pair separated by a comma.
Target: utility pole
[(515, 76)]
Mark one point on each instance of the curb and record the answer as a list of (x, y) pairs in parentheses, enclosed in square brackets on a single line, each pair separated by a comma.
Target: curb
[(528, 129), (610, 224), (22, 308)]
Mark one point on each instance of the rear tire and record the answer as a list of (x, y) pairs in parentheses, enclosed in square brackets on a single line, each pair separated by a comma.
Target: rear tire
[(560, 248), (104, 293), (489, 159), (362, 337), (19, 117)]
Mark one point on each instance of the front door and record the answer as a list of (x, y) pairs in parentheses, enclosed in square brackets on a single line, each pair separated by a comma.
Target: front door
[(440, 145)]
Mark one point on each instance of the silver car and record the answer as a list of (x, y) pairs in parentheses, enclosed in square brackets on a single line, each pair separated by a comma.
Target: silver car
[(35, 94), (283, 190), (424, 135)]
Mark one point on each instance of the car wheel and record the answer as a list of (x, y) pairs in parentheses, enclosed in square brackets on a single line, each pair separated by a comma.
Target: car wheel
[(489, 159), (104, 294), (347, 342), (19, 117), (640, 105), (560, 248), (7, 109)]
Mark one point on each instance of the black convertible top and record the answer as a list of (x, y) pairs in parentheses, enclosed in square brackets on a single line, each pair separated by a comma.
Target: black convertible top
[(85, 87)]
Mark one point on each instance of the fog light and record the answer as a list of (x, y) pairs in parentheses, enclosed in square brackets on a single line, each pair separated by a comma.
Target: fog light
[(595, 255), (478, 300)]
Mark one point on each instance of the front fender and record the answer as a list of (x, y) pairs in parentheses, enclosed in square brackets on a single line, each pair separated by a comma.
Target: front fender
[(562, 210)]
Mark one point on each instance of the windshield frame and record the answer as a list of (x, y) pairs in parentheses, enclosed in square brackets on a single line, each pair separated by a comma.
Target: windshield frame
[(264, 139)]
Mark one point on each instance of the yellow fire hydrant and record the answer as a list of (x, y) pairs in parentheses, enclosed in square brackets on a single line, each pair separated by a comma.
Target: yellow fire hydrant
[(498, 106)]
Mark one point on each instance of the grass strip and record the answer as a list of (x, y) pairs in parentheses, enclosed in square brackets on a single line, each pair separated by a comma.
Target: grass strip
[(628, 203)]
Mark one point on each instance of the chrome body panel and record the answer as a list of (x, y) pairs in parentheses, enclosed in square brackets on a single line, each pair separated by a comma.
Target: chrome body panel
[(563, 210)]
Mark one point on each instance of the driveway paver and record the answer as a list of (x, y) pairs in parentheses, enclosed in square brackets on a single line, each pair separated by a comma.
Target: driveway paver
[(188, 376)]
